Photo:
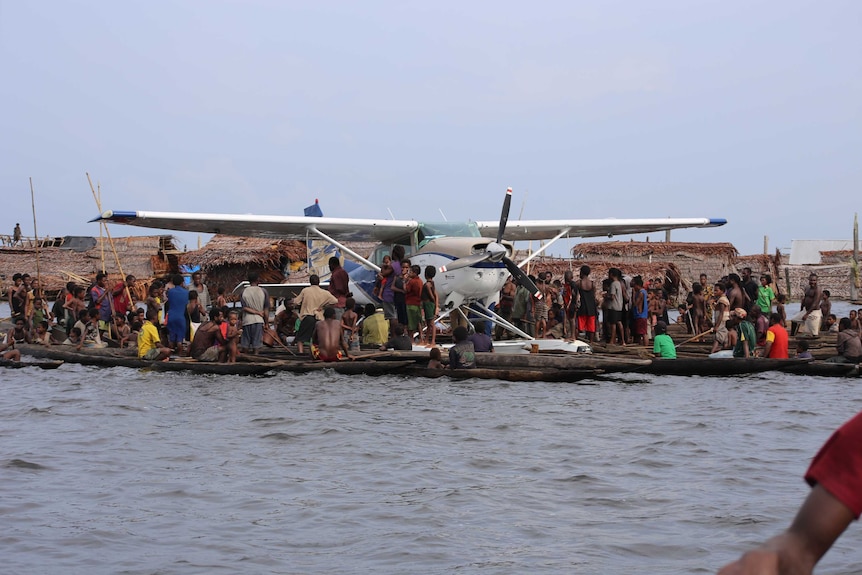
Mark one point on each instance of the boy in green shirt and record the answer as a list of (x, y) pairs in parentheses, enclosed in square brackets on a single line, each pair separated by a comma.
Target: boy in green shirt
[(663, 344)]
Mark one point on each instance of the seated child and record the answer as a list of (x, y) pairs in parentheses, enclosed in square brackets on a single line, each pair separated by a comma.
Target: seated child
[(802, 350), (92, 337), (74, 336), (41, 335), (123, 330), (434, 359)]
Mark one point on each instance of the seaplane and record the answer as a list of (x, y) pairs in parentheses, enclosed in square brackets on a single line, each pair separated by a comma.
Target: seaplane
[(473, 258)]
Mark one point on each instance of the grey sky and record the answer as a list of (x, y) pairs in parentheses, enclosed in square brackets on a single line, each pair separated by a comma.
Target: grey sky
[(748, 111)]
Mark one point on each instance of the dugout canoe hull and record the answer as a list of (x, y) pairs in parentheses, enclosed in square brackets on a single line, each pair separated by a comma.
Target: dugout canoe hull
[(536, 361), (513, 374), (49, 364), (252, 365), (721, 366), (107, 357), (825, 369)]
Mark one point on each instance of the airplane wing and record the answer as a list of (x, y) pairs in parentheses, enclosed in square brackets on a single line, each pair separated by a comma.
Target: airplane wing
[(276, 227), (547, 229)]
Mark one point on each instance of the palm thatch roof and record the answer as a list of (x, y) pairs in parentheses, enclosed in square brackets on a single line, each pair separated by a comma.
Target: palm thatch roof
[(665, 250), (224, 250), (81, 258)]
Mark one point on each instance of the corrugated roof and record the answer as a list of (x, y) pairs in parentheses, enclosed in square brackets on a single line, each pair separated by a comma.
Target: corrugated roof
[(804, 252)]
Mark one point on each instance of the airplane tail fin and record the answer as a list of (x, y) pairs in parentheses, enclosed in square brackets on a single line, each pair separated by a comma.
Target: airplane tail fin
[(314, 211)]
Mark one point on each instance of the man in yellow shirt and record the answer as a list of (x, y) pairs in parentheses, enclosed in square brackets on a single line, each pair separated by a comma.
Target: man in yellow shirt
[(149, 341), (375, 327)]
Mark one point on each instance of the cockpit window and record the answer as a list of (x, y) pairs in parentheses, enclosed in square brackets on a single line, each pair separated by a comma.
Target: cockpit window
[(432, 230)]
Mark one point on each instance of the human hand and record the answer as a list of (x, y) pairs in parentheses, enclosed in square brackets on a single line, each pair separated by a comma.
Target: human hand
[(757, 562)]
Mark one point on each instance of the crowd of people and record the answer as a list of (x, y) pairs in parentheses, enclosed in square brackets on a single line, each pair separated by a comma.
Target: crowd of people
[(743, 317)]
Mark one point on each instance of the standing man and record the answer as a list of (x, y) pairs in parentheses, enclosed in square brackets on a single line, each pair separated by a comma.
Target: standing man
[(339, 285), (520, 309), (570, 306), (588, 310), (16, 303), (809, 309), (255, 314), (750, 286), (311, 301), (413, 300), (175, 307), (16, 235), (99, 297), (615, 307), (776, 339), (736, 296), (122, 294), (722, 314), (507, 300), (388, 296), (199, 286)]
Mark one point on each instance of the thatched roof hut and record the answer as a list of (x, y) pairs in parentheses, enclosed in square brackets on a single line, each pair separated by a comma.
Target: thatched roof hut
[(227, 260), (76, 258)]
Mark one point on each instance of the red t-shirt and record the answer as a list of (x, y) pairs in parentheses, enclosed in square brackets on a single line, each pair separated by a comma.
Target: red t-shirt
[(413, 292), (838, 465), (777, 334)]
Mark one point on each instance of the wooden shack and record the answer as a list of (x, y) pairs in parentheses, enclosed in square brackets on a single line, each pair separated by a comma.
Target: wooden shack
[(227, 260), (57, 261), (836, 272)]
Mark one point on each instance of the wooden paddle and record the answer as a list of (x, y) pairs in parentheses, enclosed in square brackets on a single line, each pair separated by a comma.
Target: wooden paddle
[(691, 339)]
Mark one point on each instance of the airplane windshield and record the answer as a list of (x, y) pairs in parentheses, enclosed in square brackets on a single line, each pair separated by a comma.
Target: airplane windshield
[(429, 231)]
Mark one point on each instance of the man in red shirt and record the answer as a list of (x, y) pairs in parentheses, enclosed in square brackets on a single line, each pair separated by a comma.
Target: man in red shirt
[(339, 285), (835, 476), (413, 299), (776, 339), (122, 298)]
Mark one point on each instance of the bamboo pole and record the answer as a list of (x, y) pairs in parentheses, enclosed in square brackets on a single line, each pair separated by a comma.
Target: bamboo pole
[(113, 248), (691, 339), (854, 280), (274, 334), (36, 234)]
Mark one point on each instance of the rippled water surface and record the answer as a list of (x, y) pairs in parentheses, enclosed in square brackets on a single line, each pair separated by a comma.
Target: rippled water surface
[(125, 471)]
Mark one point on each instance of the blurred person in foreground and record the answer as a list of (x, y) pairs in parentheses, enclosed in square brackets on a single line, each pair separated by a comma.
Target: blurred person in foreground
[(835, 477)]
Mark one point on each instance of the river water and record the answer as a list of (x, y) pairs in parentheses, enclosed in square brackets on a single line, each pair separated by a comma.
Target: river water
[(126, 471)]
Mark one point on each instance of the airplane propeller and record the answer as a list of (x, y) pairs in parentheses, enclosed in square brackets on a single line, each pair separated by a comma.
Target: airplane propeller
[(496, 252)]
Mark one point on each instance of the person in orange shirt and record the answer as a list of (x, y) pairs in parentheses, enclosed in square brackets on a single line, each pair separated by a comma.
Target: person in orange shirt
[(776, 339)]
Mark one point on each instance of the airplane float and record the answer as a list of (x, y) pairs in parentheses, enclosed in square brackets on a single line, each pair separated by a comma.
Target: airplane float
[(473, 259)]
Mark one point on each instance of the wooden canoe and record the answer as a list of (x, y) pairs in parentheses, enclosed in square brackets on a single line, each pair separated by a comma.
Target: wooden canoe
[(720, 366), (510, 374), (49, 364), (107, 357), (825, 369)]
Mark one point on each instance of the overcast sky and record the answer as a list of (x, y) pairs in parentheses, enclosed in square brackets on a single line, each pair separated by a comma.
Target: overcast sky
[(744, 110)]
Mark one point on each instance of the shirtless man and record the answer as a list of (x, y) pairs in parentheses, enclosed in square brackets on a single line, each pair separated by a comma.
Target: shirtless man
[(209, 344), (326, 341), (570, 306), (809, 309), (736, 296), (507, 300), (722, 314)]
